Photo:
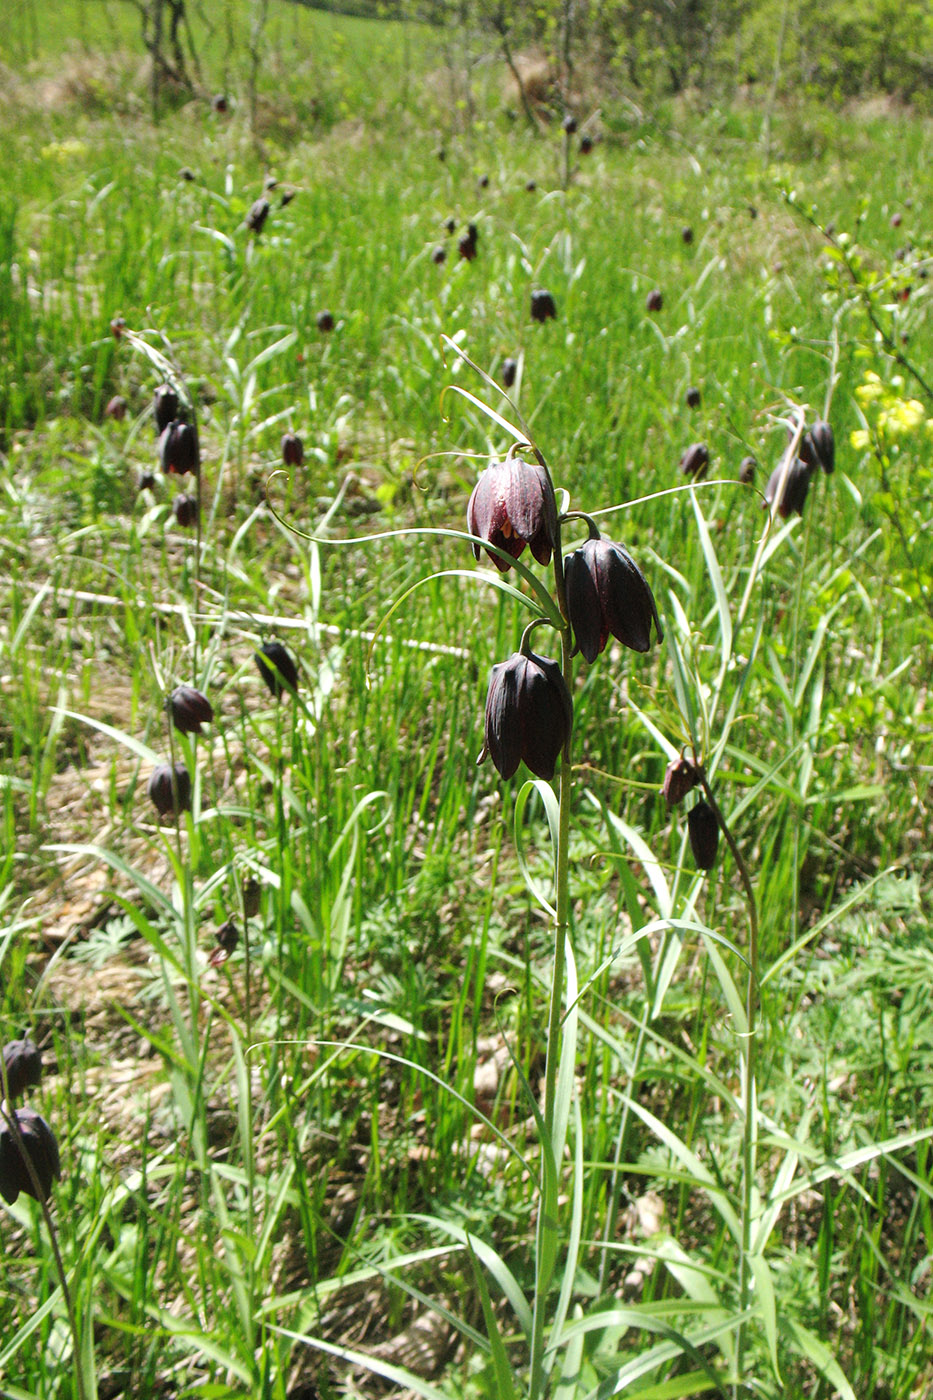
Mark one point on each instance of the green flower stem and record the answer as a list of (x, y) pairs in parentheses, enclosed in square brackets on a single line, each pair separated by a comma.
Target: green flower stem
[(749, 1057), (547, 1229)]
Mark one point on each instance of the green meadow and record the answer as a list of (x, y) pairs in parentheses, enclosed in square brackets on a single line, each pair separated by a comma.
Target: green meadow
[(372, 1071)]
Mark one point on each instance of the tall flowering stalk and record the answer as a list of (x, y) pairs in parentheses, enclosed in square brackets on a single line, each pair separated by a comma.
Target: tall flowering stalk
[(599, 591)]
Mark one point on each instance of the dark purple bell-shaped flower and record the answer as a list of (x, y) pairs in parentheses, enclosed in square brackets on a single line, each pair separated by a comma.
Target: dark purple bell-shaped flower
[(185, 509), (41, 1148), (608, 595), (293, 451), (529, 715), (164, 407), (168, 791), (509, 371), (787, 487), (257, 216), (543, 306), (189, 709), (22, 1067), (818, 446), (680, 777), (276, 667), (695, 461), (467, 244), (513, 505), (179, 451), (703, 830)]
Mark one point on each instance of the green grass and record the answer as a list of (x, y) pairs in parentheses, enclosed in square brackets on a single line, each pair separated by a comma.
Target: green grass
[(249, 1150)]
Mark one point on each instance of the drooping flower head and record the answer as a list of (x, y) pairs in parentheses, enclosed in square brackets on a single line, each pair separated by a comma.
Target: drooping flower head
[(787, 487), (608, 595), (529, 715), (37, 1139), (22, 1067), (189, 709), (170, 789), (703, 830), (277, 668), (513, 505), (818, 446)]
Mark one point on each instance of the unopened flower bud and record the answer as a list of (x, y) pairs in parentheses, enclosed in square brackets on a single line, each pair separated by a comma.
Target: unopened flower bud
[(569, 124), (116, 408), (703, 829), (38, 1140), (509, 371), (586, 144), (252, 897), (170, 789), (277, 668), (680, 777), (529, 715), (693, 397), (654, 301), (22, 1067), (325, 322), (747, 470), (189, 709), (439, 254)]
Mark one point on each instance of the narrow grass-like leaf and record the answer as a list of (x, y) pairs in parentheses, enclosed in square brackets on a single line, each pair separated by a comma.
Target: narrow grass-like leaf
[(505, 1387), (546, 793), (398, 1375), (719, 592), (806, 1344)]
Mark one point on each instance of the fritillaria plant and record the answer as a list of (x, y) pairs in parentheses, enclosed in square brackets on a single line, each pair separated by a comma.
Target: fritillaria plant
[(599, 592)]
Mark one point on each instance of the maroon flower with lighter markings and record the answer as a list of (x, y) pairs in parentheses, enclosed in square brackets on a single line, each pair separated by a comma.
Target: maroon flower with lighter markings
[(512, 505)]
